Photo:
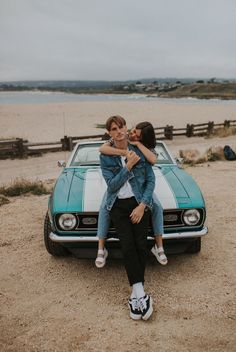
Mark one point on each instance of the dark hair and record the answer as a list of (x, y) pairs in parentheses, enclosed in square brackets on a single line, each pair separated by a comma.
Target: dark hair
[(118, 120), (147, 136)]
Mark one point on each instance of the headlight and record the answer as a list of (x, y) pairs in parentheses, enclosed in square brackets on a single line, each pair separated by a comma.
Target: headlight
[(191, 217), (67, 221)]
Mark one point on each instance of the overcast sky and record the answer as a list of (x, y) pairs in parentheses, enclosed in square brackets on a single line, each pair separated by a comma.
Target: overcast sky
[(117, 39)]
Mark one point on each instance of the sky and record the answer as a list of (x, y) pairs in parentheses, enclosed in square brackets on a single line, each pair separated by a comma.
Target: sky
[(116, 39)]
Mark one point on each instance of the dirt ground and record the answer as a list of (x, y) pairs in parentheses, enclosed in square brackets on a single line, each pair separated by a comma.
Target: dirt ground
[(66, 304)]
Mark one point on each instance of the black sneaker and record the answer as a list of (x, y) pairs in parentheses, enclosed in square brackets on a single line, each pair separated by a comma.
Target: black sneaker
[(135, 312), (145, 306)]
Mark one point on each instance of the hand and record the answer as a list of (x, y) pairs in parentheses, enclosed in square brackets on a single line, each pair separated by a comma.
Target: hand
[(124, 152), (137, 213), (132, 159), (136, 143)]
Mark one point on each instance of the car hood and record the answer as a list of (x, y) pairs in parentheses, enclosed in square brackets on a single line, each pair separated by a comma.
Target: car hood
[(79, 189), (176, 189), (82, 189)]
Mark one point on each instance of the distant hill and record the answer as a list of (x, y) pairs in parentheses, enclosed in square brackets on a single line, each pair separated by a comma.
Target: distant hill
[(161, 87), (209, 90), (88, 84)]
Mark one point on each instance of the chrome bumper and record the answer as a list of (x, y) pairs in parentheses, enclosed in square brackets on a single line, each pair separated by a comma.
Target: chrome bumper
[(166, 236)]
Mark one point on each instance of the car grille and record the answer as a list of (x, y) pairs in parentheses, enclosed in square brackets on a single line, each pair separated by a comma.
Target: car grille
[(172, 219)]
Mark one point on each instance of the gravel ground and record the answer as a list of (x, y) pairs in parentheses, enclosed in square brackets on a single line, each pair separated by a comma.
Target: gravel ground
[(66, 304)]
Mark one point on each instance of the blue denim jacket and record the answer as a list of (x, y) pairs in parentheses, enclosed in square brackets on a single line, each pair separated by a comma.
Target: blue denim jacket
[(141, 178)]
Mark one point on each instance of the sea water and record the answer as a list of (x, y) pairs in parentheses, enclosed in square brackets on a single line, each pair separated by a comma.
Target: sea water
[(37, 97)]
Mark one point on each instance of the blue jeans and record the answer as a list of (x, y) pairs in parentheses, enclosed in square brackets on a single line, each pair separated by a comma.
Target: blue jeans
[(104, 218)]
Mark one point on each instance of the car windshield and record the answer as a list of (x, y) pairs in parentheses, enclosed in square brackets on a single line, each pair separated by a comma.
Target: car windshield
[(88, 154)]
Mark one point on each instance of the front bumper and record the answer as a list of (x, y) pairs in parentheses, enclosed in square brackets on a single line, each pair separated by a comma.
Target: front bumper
[(166, 236)]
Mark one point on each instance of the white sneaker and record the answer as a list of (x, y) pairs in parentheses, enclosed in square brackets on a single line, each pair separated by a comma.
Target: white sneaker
[(159, 254), (135, 312), (145, 306)]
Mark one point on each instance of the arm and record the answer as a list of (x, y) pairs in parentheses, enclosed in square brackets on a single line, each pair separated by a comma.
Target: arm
[(107, 149), (116, 181), (138, 212), (148, 154), (150, 185)]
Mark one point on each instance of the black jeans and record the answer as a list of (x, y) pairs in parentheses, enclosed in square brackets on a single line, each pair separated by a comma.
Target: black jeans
[(133, 238)]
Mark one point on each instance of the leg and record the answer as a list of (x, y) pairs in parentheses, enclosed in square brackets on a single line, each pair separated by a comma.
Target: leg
[(101, 243), (103, 227), (157, 224), (120, 215), (103, 221), (133, 239), (157, 217), (143, 300), (140, 236)]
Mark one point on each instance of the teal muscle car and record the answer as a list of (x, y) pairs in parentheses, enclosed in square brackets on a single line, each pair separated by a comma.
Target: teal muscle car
[(72, 217)]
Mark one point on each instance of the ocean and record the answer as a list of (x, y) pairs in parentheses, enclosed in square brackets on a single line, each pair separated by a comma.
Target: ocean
[(36, 97)]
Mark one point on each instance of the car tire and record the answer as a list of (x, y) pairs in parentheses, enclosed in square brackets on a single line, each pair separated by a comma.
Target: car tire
[(194, 246), (53, 248)]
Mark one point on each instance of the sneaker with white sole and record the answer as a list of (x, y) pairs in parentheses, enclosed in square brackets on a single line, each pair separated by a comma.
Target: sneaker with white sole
[(135, 312), (159, 254), (145, 306), (101, 258)]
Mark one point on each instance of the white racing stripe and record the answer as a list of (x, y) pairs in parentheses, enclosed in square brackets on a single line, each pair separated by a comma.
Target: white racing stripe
[(163, 191), (94, 189)]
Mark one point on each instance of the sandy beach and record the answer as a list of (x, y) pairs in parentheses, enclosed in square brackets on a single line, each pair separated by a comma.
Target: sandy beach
[(66, 304), (50, 122)]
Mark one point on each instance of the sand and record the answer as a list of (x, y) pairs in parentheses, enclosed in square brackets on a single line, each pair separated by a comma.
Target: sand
[(50, 122), (66, 304)]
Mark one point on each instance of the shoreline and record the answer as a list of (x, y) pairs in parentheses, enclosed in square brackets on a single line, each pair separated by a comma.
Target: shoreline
[(165, 95)]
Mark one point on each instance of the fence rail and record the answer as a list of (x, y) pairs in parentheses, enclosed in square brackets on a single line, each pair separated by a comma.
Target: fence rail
[(20, 148)]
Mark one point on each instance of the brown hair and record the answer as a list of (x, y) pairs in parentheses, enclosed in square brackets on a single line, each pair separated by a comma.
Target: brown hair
[(118, 120), (147, 136)]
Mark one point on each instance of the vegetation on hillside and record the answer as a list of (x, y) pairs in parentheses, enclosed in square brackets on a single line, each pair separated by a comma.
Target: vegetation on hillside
[(203, 91), (170, 88)]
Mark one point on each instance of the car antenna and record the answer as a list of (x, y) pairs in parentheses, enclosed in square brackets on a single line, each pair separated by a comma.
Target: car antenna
[(64, 129)]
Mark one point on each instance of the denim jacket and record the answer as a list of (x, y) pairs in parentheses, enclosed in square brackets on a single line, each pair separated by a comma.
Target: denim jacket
[(141, 178)]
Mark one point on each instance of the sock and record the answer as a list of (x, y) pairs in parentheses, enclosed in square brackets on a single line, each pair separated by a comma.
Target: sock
[(138, 290), (101, 251), (132, 294)]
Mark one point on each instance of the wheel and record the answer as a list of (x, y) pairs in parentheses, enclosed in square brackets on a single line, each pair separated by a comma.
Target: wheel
[(194, 246), (53, 248)]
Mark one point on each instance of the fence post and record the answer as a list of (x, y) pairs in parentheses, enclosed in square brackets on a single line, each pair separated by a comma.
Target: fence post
[(21, 148), (226, 123), (64, 143), (210, 127), (105, 137), (168, 132), (70, 144), (189, 130)]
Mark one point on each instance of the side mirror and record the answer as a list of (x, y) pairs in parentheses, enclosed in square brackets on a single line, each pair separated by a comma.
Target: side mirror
[(179, 161), (61, 163)]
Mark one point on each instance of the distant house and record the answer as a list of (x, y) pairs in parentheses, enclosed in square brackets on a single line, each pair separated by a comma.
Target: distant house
[(140, 86)]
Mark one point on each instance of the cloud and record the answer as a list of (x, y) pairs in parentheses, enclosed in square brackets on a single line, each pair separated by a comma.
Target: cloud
[(107, 39)]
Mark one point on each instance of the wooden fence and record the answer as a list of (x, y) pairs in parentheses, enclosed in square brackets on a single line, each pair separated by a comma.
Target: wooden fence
[(20, 148)]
